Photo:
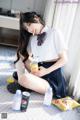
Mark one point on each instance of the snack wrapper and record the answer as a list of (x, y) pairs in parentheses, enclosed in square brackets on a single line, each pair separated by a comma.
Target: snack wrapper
[(65, 104), (34, 67)]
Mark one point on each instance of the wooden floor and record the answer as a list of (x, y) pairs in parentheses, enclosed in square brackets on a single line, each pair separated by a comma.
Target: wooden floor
[(9, 36)]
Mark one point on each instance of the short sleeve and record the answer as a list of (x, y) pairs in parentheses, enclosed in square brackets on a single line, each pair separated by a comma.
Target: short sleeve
[(60, 44)]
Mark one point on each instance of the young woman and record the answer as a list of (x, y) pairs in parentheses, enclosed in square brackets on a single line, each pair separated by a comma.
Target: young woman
[(46, 46)]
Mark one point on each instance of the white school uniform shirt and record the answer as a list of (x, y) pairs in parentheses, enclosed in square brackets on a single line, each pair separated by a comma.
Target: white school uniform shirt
[(52, 46)]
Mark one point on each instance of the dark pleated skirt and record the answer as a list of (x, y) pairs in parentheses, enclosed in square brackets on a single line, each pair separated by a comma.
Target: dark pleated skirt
[(56, 80)]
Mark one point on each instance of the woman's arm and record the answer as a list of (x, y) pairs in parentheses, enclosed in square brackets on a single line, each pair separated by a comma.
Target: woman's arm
[(27, 62), (60, 62), (21, 67), (27, 65)]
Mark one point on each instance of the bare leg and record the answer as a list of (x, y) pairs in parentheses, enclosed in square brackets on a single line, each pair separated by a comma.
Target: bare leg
[(34, 83), (29, 80)]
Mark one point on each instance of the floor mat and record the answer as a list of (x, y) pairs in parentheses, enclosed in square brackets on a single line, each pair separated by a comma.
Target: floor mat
[(36, 110)]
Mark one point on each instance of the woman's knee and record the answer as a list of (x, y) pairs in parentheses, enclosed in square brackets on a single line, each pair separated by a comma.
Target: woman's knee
[(22, 80)]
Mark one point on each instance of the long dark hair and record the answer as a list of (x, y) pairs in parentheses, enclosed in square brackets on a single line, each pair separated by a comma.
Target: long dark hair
[(24, 35)]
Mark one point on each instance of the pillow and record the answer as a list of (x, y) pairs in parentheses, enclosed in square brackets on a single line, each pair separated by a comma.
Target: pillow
[(66, 103)]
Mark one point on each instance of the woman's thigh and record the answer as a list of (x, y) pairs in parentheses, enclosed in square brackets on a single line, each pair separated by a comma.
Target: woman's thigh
[(34, 83)]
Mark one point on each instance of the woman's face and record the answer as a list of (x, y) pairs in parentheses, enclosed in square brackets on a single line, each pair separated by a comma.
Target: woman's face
[(34, 28)]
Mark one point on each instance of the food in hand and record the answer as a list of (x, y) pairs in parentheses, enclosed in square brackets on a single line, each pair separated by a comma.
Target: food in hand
[(34, 67)]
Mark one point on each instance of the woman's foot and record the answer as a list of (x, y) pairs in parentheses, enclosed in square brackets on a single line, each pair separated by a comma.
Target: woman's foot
[(12, 87), (15, 76)]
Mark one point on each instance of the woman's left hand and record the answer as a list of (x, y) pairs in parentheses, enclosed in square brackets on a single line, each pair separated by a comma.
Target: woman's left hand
[(41, 72)]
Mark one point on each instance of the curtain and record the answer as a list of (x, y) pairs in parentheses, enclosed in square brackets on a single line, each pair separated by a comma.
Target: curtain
[(65, 16), (49, 12)]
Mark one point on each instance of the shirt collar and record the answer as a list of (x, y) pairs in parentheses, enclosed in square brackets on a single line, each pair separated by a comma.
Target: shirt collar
[(44, 29)]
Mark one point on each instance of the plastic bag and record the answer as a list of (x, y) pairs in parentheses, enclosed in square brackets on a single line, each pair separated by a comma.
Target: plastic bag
[(66, 103)]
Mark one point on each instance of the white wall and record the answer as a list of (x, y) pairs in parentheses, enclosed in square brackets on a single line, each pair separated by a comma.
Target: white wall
[(39, 6), (5, 4), (24, 5)]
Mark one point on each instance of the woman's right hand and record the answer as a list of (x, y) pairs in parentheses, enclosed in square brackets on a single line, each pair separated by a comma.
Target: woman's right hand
[(27, 62), (27, 65)]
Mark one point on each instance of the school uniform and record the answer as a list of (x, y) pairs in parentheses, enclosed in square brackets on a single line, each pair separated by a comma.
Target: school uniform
[(50, 49), (52, 46)]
